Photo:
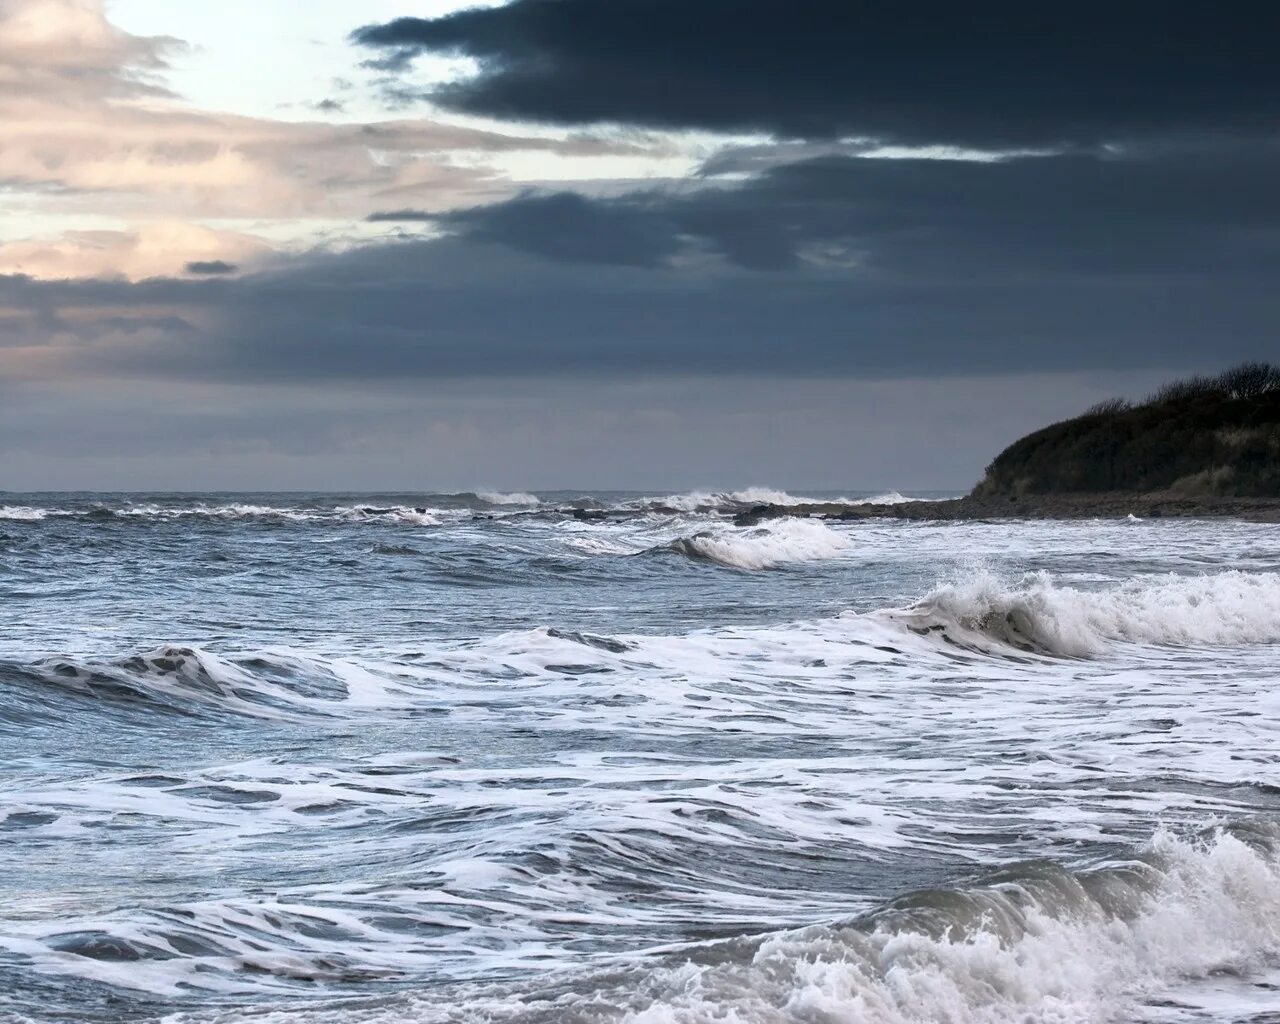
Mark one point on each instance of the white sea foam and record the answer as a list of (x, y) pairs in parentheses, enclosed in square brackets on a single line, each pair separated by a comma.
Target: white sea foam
[(703, 501), (1222, 608), (764, 547), (414, 517), (888, 498), (233, 511), (23, 513), (1042, 946), (695, 501), (589, 545), (513, 498), (597, 799), (204, 510), (1061, 948), (393, 514)]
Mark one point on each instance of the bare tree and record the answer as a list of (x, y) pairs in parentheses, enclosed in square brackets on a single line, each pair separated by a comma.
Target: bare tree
[(1108, 407), (1182, 390), (1250, 380)]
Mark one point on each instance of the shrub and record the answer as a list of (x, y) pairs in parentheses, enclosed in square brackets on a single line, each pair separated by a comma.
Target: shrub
[(1107, 407), (1250, 380)]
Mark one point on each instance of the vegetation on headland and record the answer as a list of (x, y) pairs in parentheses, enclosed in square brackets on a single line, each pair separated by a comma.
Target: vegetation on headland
[(1196, 438)]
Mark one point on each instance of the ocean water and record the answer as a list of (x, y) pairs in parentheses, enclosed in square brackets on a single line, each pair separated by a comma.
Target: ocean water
[(457, 758)]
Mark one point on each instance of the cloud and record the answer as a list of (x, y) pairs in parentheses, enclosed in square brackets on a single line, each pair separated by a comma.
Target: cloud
[(996, 75), (89, 129), (760, 327), (401, 216), (151, 250), (211, 268), (1195, 211), (572, 228), (840, 267), (56, 48)]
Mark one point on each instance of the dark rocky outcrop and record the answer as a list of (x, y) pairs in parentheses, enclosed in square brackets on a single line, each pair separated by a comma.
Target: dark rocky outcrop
[(1211, 437), (1204, 447)]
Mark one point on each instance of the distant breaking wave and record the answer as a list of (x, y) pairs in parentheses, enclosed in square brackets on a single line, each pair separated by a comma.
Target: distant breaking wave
[(23, 513), (512, 503), (1041, 615), (419, 516), (704, 501), (514, 498)]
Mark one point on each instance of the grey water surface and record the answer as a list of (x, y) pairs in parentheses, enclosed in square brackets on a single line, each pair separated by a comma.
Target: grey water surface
[(602, 757)]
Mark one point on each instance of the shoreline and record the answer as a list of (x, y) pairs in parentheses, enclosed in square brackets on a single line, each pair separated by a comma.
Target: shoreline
[(1040, 506)]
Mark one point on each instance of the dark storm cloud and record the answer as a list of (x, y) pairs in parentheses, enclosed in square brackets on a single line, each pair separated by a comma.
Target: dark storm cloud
[(1202, 210), (989, 74), (210, 268), (391, 216), (827, 267), (572, 228)]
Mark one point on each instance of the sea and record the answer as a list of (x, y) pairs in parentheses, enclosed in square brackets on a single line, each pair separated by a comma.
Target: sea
[(584, 758)]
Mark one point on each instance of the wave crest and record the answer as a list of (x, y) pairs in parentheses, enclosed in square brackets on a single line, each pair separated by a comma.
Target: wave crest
[(765, 547), (1039, 614), (737, 501), (512, 498), (23, 513), (1041, 943), (1035, 943)]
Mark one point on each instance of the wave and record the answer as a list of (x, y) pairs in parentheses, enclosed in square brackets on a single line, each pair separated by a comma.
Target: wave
[(192, 681), (514, 498), (736, 501), (235, 510), (603, 546), (701, 501), (411, 516), (1037, 943), (1040, 614), (785, 541), (985, 617), (23, 513)]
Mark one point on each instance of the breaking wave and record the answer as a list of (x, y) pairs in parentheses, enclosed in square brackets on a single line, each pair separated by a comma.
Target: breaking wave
[(1040, 614), (395, 514), (1037, 943), (513, 498), (731, 501), (765, 547), (23, 513), (192, 681), (984, 615)]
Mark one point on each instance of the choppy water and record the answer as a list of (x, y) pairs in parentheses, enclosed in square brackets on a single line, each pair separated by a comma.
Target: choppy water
[(472, 758)]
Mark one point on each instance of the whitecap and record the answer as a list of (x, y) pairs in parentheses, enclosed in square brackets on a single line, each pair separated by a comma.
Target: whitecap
[(1038, 612), (513, 498), (764, 547)]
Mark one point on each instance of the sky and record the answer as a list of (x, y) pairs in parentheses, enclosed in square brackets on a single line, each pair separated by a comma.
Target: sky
[(625, 244)]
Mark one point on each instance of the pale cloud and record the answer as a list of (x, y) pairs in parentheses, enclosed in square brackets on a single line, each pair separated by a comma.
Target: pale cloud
[(88, 126), (68, 49), (154, 249)]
